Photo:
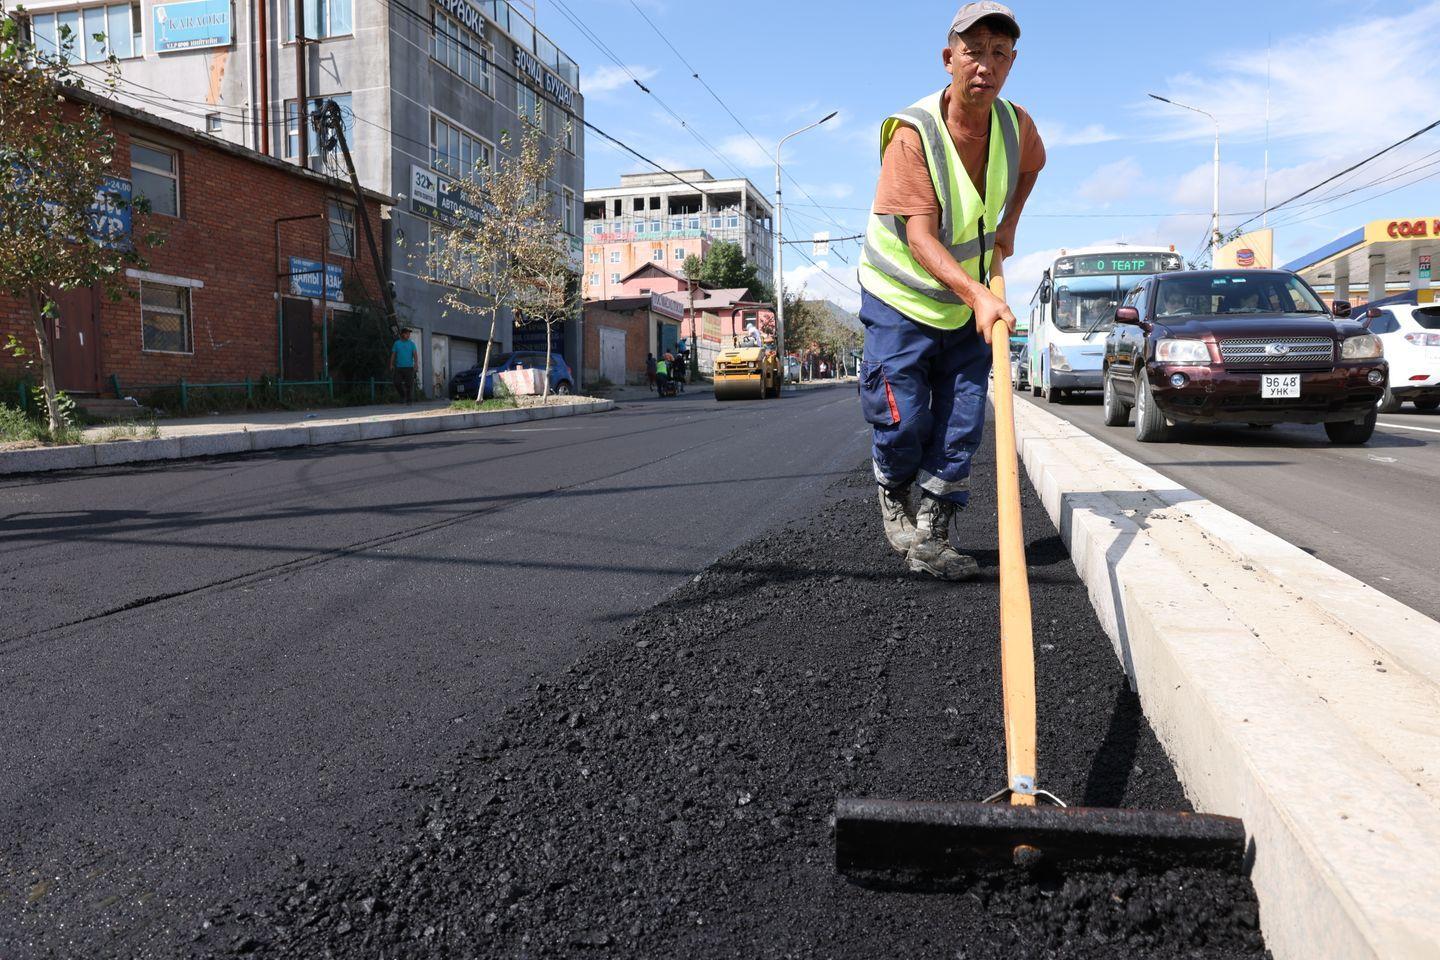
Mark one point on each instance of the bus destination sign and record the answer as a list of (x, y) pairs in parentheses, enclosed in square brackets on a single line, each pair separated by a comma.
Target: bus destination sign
[(1131, 263)]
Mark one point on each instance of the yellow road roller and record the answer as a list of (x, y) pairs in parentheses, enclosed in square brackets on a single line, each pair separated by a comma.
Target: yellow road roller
[(747, 373)]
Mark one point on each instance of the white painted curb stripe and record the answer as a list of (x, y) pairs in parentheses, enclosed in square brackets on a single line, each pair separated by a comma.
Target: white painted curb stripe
[(1255, 664)]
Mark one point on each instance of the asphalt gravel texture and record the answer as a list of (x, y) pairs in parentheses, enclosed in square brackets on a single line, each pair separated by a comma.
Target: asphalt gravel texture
[(670, 794)]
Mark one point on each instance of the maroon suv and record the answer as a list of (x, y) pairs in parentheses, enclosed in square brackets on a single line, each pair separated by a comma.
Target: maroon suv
[(1239, 346)]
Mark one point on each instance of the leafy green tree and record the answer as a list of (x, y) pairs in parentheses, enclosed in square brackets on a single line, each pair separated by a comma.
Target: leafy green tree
[(725, 268), (54, 156), (514, 258)]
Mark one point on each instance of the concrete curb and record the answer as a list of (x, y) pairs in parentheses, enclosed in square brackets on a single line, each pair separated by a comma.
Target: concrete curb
[(45, 459), (1286, 693)]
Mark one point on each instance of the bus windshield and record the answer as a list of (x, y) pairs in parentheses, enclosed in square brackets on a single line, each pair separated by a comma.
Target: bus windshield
[(1085, 302)]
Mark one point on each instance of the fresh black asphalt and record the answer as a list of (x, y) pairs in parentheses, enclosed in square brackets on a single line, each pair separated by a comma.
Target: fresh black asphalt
[(208, 668), (580, 686)]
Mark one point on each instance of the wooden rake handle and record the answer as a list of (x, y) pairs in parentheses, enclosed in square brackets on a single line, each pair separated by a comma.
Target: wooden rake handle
[(1017, 652)]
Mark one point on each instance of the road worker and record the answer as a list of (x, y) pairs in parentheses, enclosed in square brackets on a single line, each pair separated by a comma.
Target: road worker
[(956, 170)]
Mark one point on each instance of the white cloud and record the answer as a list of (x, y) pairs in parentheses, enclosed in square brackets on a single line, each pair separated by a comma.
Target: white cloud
[(1113, 181), (1056, 134), (607, 79), (1322, 85), (839, 284), (744, 152)]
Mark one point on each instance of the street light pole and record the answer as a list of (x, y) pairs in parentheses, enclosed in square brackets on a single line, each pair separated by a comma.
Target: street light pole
[(780, 245), (1215, 236)]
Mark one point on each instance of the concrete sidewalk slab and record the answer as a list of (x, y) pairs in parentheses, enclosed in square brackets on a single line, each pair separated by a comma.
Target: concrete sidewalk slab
[(233, 435), (1286, 693)]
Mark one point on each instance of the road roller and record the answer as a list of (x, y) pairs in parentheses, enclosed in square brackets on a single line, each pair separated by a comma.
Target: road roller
[(747, 373)]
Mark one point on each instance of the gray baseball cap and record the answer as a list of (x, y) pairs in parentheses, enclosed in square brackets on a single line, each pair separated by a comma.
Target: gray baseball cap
[(973, 13)]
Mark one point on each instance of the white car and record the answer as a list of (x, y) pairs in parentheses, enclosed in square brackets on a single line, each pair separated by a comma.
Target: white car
[(1411, 336)]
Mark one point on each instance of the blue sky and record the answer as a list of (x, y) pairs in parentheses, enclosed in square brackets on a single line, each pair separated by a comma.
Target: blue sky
[(1345, 77)]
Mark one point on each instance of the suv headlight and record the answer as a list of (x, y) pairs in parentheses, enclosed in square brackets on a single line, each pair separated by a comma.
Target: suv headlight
[(1366, 346), (1181, 351), (1057, 358)]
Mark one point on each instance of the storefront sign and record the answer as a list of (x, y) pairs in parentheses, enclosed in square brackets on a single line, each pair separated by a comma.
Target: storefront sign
[(1424, 266), (436, 197), (527, 63), (667, 306), (191, 24), (305, 280), (711, 327), (110, 216), (1409, 229), (463, 11)]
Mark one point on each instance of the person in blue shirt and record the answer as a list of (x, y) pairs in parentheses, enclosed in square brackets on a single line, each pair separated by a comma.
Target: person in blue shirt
[(402, 365)]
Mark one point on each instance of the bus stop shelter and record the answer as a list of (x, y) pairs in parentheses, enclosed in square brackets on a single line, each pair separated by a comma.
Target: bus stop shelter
[(1382, 258)]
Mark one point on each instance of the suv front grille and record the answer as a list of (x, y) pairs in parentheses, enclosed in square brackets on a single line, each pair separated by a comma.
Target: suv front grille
[(1278, 353)]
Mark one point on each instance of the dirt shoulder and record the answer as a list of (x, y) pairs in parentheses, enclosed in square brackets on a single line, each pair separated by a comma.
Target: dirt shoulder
[(671, 795)]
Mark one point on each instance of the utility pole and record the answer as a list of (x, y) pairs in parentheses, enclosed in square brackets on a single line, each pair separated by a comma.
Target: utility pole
[(780, 245), (302, 112), (334, 126), (1215, 236)]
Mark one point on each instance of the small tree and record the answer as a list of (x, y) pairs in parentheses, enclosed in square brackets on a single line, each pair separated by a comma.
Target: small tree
[(54, 158), (724, 267), (515, 257)]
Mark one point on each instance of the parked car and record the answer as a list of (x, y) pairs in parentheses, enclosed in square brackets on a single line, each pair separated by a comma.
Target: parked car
[(1240, 346), (466, 383), (792, 369), (1411, 336), (1020, 367)]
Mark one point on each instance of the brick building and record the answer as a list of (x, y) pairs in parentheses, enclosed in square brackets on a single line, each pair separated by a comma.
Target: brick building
[(235, 290)]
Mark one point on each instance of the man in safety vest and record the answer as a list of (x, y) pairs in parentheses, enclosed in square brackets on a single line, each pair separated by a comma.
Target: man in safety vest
[(956, 170)]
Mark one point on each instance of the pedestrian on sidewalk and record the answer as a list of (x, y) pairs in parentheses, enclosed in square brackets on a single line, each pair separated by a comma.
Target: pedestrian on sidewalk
[(681, 368), (662, 375), (402, 365), (956, 170), (650, 370)]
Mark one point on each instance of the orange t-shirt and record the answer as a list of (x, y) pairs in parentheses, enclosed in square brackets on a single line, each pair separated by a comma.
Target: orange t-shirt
[(905, 188)]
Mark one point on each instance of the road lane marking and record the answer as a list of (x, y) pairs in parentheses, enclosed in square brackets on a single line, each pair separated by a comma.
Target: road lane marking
[(1384, 459), (1406, 426)]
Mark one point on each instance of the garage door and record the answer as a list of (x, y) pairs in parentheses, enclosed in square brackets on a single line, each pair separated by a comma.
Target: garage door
[(464, 354)]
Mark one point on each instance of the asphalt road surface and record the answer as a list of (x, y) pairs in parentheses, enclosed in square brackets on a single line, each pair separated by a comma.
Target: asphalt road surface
[(211, 670), (1372, 511)]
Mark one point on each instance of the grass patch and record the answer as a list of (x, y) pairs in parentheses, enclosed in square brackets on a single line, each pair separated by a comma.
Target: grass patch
[(127, 431), (16, 426), (471, 406)]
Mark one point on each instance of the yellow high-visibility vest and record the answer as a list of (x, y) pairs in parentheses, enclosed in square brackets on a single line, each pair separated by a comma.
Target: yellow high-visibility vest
[(888, 270)]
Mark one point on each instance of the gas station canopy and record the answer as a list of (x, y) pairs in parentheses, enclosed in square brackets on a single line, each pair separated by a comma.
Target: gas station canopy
[(1383, 257)]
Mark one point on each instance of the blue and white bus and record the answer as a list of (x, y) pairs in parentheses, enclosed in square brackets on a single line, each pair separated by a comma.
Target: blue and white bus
[(1074, 308)]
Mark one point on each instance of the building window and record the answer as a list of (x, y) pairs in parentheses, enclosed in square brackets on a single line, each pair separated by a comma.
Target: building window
[(570, 135), (456, 151), (165, 318), (679, 253), (118, 25), (155, 175), (527, 103), (694, 223), (292, 124), (658, 254), (212, 123), (716, 223), (568, 202), (323, 18), (598, 229), (614, 256), (594, 256), (342, 228), (465, 55), (614, 278), (594, 279), (734, 221)]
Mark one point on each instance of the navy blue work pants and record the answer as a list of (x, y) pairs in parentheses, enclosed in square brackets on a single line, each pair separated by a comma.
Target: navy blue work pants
[(923, 392)]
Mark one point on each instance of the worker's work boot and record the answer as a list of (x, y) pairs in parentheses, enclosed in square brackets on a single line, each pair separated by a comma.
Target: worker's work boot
[(931, 551), (899, 518)]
